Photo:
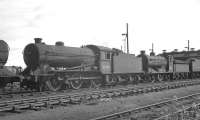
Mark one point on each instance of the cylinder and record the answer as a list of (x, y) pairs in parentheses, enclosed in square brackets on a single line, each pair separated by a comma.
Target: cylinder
[(57, 56), (4, 51)]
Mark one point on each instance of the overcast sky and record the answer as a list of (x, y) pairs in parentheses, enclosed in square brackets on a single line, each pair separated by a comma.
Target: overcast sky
[(166, 23)]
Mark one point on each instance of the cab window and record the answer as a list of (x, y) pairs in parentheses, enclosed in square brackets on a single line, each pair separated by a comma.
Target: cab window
[(107, 55)]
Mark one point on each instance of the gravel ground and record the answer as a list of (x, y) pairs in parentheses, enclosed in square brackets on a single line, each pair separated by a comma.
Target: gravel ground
[(99, 108)]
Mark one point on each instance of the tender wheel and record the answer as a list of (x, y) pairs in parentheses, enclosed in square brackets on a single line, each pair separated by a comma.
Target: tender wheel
[(96, 83), (160, 78), (175, 76), (113, 80), (138, 79), (53, 84), (168, 77), (76, 84), (153, 79)]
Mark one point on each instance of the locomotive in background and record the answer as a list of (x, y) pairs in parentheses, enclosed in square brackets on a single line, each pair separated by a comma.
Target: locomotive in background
[(8, 74), (57, 66)]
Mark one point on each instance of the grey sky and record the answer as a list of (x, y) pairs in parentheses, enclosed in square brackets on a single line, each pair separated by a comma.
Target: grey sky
[(166, 23)]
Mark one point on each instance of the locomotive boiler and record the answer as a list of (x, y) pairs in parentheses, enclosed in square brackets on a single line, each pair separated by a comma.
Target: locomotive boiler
[(56, 55), (153, 63), (4, 51)]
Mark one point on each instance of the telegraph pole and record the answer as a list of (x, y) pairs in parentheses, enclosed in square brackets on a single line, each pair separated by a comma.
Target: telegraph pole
[(126, 34), (127, 38), (188, 46)]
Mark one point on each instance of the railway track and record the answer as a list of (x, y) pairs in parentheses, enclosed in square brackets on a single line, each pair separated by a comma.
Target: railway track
[(182, 108), (35, 103), (191, 112), (9, 95), (28, 93)]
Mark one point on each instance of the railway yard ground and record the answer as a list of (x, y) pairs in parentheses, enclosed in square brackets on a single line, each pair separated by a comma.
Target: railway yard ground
[(99, 107)]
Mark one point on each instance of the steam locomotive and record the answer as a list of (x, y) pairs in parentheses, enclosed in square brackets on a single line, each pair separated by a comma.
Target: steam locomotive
[(57, 66), (8, 74)]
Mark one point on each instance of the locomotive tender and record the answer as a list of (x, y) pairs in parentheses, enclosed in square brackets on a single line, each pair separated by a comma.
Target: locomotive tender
[(57, 66)]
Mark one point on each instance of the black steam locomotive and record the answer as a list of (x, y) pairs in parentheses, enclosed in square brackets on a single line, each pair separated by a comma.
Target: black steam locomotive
[(8, 74), (57, 66)]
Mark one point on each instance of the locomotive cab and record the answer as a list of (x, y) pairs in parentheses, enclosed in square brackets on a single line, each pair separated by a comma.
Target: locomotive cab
[(104, 58), (105, 62)]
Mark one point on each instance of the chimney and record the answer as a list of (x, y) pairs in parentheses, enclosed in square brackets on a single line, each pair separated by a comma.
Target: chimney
[(175, 50), (59, 43), (142, 52), (38, 40), (192, 49), (152, 53), (164, 51)]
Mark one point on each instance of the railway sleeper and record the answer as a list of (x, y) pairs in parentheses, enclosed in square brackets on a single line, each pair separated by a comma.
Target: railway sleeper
[(53, 102), (65, 101), (117, 93), (29, 100), (102, 95), (124, 93), (75, 100), (135, 92), (37, 105), (54, 98), (140, 91), (6, 108), (148, 90), (15, 102), (43, 99), (128, 92), (95, 96), (2, 104), (21, 106), (86, 97)]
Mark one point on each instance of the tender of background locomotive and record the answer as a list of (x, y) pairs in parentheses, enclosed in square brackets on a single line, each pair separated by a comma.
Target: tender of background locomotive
[(185, 61), (57, 66)]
